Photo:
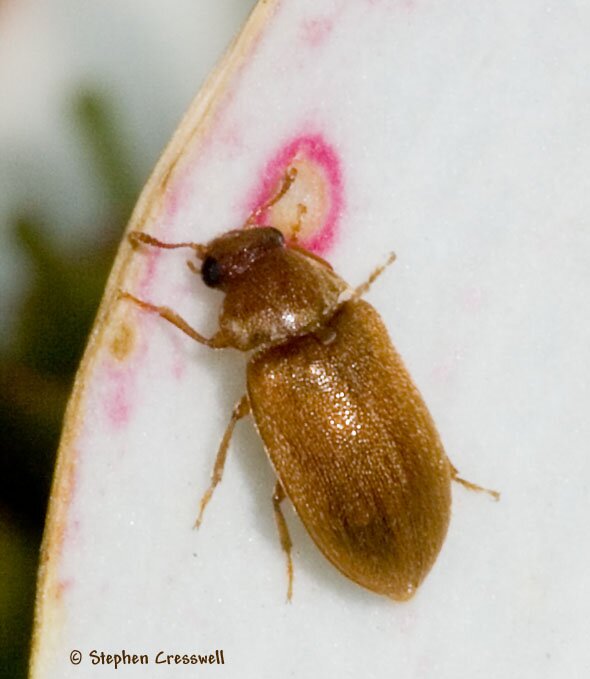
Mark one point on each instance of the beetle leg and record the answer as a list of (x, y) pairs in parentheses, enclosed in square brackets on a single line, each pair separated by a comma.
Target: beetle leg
[(295, 229), (472, 486), (215, 342), (137, 237), (241, 409), (288, 179), (286, 544), (364, 287)]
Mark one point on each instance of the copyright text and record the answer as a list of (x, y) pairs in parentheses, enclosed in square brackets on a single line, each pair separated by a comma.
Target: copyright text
[(123, 657)]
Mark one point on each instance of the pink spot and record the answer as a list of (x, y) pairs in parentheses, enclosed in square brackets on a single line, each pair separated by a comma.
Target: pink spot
[(144, 285), (314, 149), (172, 203), (63, 586), (230, 136), (316, 31), (116, 401), (178, 366), (178, 191)]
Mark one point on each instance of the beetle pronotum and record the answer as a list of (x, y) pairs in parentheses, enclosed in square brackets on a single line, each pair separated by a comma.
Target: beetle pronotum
[(351, 441)]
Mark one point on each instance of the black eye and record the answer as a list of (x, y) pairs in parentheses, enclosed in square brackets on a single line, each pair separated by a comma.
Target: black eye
[(211, 272), (276, 236)]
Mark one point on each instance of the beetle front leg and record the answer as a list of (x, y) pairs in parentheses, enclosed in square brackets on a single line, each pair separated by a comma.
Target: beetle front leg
[(241, 409), (295, 229), (218, 341), (288, 179), (286, 544)]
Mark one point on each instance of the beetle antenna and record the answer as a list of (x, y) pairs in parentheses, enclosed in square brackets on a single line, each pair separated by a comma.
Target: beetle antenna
[(288, 179), (138, 237)]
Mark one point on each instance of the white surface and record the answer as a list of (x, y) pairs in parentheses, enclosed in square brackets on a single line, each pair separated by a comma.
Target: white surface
[(463, 132)]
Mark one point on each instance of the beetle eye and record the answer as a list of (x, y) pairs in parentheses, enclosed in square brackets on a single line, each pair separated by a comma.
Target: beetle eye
[(211, 272)]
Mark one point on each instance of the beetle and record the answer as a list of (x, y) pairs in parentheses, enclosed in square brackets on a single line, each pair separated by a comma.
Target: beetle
[(350, 439)]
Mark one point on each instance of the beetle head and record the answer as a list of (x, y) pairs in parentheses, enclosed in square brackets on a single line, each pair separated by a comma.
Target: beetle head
[(228, 257)]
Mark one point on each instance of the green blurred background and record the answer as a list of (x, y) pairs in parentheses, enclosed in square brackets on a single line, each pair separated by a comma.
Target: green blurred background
[(91, 94)]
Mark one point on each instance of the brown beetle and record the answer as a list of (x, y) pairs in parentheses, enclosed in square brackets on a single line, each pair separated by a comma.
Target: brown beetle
[(346, 431)]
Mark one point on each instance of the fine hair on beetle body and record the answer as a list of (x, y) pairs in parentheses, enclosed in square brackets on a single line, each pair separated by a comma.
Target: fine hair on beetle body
[(347, 433)]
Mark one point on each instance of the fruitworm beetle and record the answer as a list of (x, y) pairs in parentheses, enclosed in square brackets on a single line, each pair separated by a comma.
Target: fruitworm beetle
[(350, 439)]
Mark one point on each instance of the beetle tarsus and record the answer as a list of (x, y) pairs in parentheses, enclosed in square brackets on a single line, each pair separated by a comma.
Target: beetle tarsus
[(241, 409), (286, 543)]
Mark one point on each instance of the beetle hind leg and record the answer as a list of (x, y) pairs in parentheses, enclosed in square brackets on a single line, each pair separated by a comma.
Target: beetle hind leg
[(241, 409), (472, 486), (286, 543)]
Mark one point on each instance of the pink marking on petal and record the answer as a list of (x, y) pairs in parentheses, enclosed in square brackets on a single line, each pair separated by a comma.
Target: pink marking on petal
[(316, 31), (116, 399), (230, 136), (312, 149), (150, 259), (63, 586), (172, 202), (178, 366)]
